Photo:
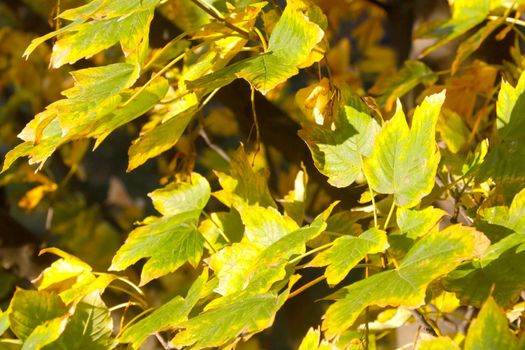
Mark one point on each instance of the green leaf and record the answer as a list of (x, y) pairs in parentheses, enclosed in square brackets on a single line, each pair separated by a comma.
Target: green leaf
[(291, 43), (465, 15), (124, 23), (337, 153), (347, 251), (94, 95), (46, 333), (171, 240), (490, 330), (397, 85), (254, 267), (168, 316), (510, 109), (29, 309), (416, 223), (90, 327), (234, 317), (498, 272), (404, 161), (433, 256), (512, 218)]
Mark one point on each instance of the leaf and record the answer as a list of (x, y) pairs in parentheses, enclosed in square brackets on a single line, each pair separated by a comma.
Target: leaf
[(235, 317), (171, 240), (512, 218), (498, 272), (403, 161), (243, 185), (109, 25), (347, 251), (291, 43), (311, 340), (158, 140), (490, 330), (453, 130), (90, 327), (94, 95), (416, 223), (167, 316), (29, 309), (433, 256), (337, 153), (4, 321), (465, 15), (440, 343), (397, 85), (510, 109), (254, 266), (45, 333)]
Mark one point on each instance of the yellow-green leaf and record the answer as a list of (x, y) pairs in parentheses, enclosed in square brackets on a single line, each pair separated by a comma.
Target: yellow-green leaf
[(433, 256), (404, 161), (490, 330), (171, 240), (347, 251)]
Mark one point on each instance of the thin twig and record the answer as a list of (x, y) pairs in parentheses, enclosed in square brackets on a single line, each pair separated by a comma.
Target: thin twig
[(218, 16), (162, 342), (217, 149), (306, 286), (425, 324)]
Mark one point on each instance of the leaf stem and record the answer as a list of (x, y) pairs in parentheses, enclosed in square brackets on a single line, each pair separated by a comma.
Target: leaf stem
[(508, 20), (123, 305), (161, 51), (310, 252), (385, 226), (155, 76), (306, 286)]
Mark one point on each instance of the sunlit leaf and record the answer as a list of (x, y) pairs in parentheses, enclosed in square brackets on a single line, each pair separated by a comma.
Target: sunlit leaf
[(441, 343), (490, 330), (167, 316), (338, 152), (171, 240), (416, 223), (46, 333), (404, 161), (235, 317), (433, 256), (347, 251), (512, 217), (4, 321)]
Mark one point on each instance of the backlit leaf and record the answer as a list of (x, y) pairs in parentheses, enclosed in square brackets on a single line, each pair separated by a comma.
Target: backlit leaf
[(404, 161), (337, 152), (171, 240), (416, 223)]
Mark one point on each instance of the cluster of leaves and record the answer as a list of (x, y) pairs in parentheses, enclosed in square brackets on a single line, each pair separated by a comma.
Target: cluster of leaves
[(436, 236)]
